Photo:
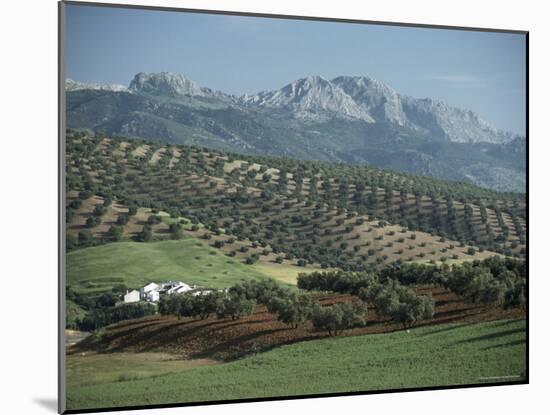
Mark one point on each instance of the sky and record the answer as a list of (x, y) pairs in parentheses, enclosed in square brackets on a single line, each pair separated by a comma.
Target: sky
[(480, 71)]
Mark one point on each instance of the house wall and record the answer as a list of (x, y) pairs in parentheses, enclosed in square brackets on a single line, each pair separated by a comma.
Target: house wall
[(132, 297)]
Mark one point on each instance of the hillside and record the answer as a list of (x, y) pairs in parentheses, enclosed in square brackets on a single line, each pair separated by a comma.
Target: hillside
[(134, 264), (226, 340), (347, 119), (281, 211)]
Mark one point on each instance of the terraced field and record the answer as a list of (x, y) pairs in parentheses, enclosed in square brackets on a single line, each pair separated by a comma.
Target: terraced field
[(288, 212)]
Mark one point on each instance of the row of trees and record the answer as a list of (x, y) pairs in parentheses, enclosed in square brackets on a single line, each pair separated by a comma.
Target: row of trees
[(336, 281), (222, 304), (100, 317), (477, 284), (390, 299), (290, 307), (493, 281)]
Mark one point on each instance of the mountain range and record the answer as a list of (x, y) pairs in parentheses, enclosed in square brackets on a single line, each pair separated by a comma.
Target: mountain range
[(351, 119)]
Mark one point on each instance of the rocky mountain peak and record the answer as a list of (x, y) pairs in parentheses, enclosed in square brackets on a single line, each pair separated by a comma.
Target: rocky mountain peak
[(381, 101), (307, 97), (165, 83), (72, 85)]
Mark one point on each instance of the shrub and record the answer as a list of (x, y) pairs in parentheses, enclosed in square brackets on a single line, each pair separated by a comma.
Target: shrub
[(84, 237), (146, 234), (251, 260), (99, 210), (71, 241), (115, 233), (92, 222), (175, 230), (122, 220), (106, 300), (154, 219), (84, 194)]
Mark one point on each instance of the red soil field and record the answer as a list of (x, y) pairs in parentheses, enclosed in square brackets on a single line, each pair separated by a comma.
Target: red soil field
[(224, 339)]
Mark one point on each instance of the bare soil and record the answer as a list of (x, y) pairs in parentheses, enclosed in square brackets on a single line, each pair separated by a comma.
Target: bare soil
[(224, 339)]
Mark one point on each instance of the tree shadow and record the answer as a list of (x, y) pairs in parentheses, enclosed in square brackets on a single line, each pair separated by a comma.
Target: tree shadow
[(441, 303), (491, 336), (238, 341), (446, 329), (508, 344)]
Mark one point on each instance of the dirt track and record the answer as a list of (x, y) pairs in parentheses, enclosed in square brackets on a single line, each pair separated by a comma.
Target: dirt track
[(226, 339)]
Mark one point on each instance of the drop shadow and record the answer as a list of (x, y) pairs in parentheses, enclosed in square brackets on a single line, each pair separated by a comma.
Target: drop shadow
[(48, 403)]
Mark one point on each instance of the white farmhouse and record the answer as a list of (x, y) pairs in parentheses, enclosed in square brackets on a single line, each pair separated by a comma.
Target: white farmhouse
[(132, 296), (178, 288), (149, 288), (153, 296), (201, 292)]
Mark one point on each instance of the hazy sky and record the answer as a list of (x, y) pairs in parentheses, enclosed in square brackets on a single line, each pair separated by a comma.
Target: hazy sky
[(481, 71)]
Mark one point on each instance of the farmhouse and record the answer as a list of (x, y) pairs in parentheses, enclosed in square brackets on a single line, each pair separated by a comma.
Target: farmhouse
[(145, 292), (178, 288), (132, 297), (152, 296), (153, 291)]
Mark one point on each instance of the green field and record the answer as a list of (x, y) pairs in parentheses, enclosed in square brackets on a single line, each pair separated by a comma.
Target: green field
[(189, 260), (284, 273), (119, 367), (430, 356)]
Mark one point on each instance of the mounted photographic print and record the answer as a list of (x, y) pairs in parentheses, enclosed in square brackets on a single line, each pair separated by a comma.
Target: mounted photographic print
[(258, 207)]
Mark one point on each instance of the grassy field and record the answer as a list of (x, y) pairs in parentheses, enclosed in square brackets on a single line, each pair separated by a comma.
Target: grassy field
[(429, 356), (283, 272), (134, 264), (120, 367)]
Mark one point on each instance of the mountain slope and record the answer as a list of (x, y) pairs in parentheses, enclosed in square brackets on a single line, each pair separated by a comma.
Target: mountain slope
[(347, 119)]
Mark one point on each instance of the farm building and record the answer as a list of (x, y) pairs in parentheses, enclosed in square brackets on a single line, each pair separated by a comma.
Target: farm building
[(149, 288), (153, 291), (152, 296), (179, 288), (132, 296)]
